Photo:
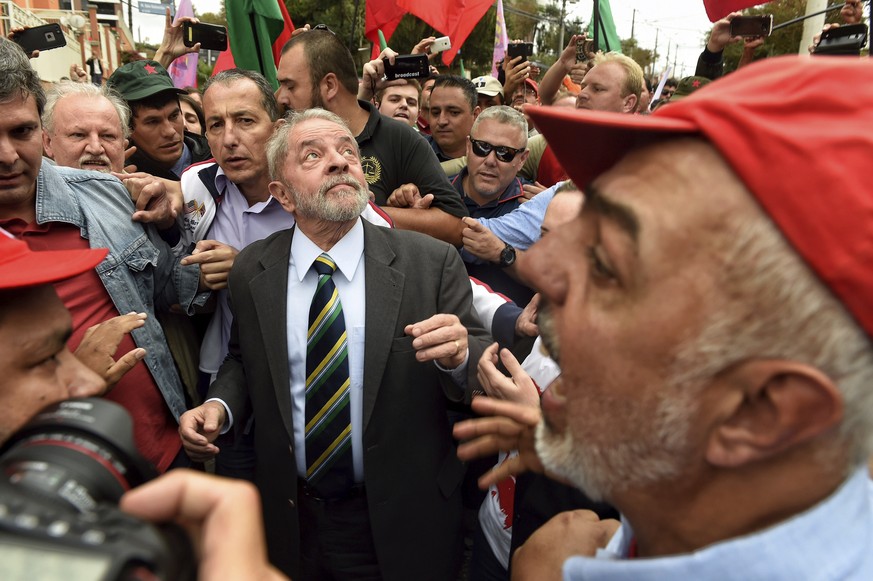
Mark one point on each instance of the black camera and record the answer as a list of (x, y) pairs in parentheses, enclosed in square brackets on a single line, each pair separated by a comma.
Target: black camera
[(844, 40), (63, 475), (407, 66)]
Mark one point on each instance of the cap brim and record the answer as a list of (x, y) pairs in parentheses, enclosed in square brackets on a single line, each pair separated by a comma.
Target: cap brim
[(148, 92), (43, 267), (587, 143)]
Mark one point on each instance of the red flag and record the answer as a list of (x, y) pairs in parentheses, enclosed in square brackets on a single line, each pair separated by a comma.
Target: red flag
[(718, 9), (454, 18), (382, 15), (225, 58), (285, 36)]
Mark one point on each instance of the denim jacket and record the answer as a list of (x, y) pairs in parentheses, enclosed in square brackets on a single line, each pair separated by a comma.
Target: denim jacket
[(140, 272)]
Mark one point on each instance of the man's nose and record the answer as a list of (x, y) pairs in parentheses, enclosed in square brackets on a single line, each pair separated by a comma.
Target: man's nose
[(76, 378), (338, 163), (93, 145), (8, 152), (545, 268)]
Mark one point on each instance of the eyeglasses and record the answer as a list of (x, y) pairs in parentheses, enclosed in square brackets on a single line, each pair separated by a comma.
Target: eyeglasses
[(323, 27), (501, 152)]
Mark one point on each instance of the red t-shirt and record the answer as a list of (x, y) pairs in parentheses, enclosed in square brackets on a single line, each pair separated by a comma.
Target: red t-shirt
[(155, 430)]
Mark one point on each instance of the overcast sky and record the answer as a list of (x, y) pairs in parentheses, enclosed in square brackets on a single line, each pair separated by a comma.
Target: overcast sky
[(681, 23)]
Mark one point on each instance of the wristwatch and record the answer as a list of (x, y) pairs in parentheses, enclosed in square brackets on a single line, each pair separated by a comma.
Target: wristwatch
[(507, 256)]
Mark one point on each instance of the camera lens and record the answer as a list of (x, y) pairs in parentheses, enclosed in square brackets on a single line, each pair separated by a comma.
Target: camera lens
[(79, 452)]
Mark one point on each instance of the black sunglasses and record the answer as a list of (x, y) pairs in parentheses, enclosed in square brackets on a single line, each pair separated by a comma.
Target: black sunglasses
[(323, 27), (502, 152)]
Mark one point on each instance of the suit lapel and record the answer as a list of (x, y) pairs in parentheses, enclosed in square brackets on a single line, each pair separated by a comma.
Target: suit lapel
[(269, 289), (384, 289)]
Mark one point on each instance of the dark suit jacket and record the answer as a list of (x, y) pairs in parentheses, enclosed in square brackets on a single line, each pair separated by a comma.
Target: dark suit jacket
[(411, 473)]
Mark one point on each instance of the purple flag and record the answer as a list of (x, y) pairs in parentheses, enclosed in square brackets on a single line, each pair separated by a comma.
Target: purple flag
[(500, 39), (183, 70)]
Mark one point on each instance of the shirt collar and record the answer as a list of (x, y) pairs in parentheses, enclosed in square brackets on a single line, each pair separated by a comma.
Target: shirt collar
[(346, 253), (224, 186), (817, 540)]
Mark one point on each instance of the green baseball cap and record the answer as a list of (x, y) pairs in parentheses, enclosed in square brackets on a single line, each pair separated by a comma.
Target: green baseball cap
[(141, 79), (687, 86)]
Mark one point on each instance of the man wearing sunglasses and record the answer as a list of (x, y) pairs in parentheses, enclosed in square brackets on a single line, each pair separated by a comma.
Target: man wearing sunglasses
[(490, 187)]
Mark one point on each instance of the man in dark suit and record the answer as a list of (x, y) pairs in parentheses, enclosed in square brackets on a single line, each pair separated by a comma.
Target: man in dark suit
[(394, 510)]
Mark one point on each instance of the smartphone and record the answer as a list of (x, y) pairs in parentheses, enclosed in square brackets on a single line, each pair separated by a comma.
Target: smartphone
[(440, 44), (584, 49), (751, 26), (44, 37), (522, 49), (210, 36), (407, 66)]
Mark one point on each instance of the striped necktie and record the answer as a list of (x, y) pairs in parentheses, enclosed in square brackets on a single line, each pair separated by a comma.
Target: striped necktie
[(329, 469)]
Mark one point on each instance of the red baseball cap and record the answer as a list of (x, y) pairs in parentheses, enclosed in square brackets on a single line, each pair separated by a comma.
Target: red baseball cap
[(22, 267), (798, 131)]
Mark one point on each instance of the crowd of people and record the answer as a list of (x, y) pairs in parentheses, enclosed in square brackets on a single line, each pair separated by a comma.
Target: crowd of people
[(576, 324)]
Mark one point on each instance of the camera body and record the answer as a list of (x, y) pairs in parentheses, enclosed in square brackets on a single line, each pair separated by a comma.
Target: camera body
[(408, 66), (63, 475), (844, 40)]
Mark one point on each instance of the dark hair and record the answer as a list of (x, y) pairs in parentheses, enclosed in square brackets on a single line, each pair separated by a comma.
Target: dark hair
[(456, 82), (228, 77), (156, 101), (198, 110), (17, 77), (672, 82), (325, 53)]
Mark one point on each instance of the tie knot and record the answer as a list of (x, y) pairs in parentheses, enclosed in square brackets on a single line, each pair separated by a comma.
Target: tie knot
[(324, 265)]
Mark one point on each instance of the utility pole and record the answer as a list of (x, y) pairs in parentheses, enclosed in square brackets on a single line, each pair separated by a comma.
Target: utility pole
[(655, 52), (633, 22), (562, 28), (667, 60), (811, 26)]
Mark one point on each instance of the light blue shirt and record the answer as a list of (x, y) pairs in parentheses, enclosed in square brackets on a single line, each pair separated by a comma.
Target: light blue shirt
[(832, 540), (348, 254), (521, 227), (236, 224), (183, 162)]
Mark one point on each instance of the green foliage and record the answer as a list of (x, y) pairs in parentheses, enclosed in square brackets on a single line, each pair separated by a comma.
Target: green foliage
[(213, 18), (643, 56), (204, 71), (783, 41)]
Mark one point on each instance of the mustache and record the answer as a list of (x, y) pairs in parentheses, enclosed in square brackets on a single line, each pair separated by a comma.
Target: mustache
[(85, 159), (343, 179)]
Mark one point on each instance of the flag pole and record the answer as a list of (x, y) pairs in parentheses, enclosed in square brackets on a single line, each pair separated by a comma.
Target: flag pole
[(262, 70), (596, 18)]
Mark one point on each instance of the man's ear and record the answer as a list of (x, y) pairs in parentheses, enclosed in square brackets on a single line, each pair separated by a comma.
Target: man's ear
[(773, 405), (522, 157), (476, 112), (47, 144), (630, 103), (281, 192), (329, 87)]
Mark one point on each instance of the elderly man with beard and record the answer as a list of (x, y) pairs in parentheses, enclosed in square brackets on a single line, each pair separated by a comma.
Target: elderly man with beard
[(351, 437), (710, 312)]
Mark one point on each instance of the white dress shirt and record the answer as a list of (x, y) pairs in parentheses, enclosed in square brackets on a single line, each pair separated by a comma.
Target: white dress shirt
[(348, 254)]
